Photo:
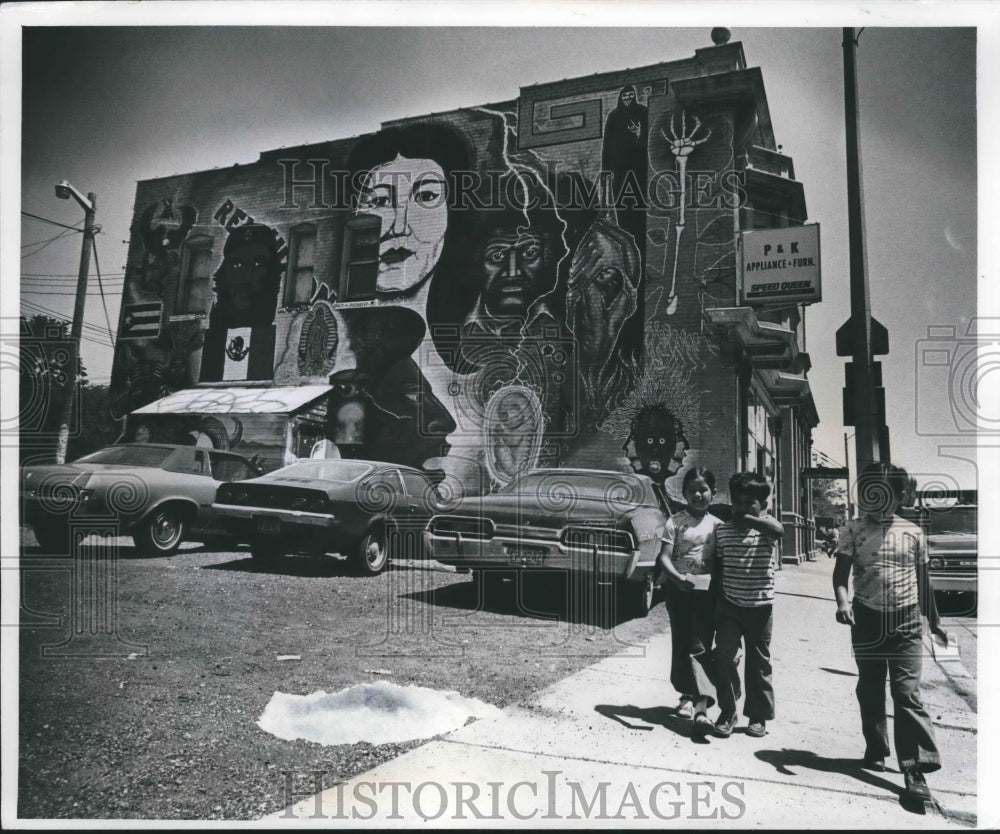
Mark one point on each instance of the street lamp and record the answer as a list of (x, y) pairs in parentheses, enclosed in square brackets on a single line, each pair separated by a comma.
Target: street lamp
[(65, 191)]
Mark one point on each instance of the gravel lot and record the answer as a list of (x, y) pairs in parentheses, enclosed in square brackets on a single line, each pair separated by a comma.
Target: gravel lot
[(164, 725)]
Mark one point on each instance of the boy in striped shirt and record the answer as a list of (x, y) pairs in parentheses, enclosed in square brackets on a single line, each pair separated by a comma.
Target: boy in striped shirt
[(745, 558)]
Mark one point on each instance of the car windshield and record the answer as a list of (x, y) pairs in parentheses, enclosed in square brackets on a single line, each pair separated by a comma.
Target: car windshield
[(129, 455), (559, 485), (952, 520), (341, 471)]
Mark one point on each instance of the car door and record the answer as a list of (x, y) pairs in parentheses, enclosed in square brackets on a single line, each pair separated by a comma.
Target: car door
[(419, 503)]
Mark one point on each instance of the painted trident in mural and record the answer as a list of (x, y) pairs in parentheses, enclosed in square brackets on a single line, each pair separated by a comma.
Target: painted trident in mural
[(682, 146)]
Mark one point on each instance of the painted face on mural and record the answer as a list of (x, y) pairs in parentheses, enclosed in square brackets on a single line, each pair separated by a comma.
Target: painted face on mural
[(244, 278), (410, 198), (658, 444), (408, 423), (514, 267)]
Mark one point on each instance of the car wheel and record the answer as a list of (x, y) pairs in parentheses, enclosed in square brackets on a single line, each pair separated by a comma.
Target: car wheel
[(636, 598), (52, 538), (371, 554), (266, 551), (161, 533)]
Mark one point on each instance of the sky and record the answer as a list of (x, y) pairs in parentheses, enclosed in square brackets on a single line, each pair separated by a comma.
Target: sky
[(105, 107)]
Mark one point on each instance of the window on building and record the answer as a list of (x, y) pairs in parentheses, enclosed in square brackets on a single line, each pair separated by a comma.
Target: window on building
[(194, 291), (301, 265), (359, 271)]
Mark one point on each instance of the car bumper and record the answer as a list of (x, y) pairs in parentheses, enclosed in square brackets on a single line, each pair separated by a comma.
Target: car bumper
[(298, 527), (535, 554), (953, 582)]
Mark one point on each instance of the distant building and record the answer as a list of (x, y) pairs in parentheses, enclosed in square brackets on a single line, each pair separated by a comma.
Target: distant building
[(550, 280)]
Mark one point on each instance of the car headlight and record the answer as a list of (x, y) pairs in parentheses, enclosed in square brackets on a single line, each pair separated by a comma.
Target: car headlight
[(935, 563), (86, 495)]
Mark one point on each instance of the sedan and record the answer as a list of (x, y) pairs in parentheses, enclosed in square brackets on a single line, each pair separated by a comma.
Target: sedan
[(157, 493), (606, 525), (358, 508)]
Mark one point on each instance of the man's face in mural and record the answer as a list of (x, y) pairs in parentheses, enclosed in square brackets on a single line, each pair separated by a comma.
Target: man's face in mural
[(514, 266), (409, 196), (409, 424), (627, 98), (658, 445), (244, 277)]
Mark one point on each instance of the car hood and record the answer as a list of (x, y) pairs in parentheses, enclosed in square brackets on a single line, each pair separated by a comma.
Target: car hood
[(938, 542)]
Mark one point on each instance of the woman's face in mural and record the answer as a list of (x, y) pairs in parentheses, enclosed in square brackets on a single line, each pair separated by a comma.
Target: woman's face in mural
[(409, 196), (244, 276), (514, 271)]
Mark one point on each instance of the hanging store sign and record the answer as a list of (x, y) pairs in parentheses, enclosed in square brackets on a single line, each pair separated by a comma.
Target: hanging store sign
[(780, 266)]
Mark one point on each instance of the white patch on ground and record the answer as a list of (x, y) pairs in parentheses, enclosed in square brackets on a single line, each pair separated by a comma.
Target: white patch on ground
[(378, 713)]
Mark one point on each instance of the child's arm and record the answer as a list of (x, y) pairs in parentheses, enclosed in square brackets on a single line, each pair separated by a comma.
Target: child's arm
[(925, 588), (664, 561), (841, 575), (766, 524)]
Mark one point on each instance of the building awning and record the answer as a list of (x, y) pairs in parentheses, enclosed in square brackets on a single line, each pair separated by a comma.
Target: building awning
[(237, 400)]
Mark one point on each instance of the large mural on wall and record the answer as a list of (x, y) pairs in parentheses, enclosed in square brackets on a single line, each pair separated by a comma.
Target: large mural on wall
[(494, 301)]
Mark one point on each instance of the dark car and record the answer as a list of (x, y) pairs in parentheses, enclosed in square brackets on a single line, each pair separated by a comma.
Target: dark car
[(158, 493), (605, 524), (357, 508)]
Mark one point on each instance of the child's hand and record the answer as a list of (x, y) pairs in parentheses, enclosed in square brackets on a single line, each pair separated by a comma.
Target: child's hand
[(845, 615), (683, 583)]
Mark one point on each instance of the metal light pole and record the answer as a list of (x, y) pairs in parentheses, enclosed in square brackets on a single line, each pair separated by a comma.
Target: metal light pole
[(862, 336), (65, 191)]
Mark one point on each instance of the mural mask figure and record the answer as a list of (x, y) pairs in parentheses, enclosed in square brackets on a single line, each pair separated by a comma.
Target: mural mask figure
[(659, 443)]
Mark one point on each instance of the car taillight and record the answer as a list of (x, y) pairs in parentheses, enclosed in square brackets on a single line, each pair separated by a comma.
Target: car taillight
[(235, 496), (586, 538)]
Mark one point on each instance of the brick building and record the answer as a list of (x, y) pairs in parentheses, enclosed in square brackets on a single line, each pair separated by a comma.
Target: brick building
[(553, 279)]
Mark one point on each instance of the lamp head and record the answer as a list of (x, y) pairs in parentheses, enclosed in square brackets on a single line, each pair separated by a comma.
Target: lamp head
[(63, 190)]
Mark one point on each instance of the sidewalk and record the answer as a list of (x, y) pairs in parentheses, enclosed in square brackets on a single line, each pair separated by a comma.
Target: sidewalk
[(603, 748)]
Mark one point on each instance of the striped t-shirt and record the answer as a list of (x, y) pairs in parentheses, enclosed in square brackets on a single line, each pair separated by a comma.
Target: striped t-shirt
[(747, 558)]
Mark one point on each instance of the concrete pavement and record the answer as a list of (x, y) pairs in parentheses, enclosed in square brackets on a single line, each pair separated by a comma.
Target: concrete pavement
[(603, 748)]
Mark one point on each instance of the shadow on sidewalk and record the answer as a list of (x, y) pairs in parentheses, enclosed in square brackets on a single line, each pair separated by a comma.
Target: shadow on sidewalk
[(662, 716)]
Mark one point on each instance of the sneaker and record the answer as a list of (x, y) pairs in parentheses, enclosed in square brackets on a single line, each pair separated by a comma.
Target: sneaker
[(685, 709), (756, 729), (702, 726), (876, 763), (724, 726), (916, 785)]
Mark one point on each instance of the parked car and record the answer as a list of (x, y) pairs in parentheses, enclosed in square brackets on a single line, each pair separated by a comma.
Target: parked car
[(952, 546), (607, 525), (357, 508), (160, 494)]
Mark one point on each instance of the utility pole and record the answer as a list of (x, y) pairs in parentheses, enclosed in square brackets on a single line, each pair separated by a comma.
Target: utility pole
[(847, 466), (861, 337), (64, 191)]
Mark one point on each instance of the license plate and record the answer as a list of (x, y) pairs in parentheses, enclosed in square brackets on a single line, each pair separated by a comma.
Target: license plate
[(524, 555), (268, 525)]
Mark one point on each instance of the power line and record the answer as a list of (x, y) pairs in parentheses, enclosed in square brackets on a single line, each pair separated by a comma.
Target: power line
[(104, 303), (61, 275), (44, 244), (75, 228)]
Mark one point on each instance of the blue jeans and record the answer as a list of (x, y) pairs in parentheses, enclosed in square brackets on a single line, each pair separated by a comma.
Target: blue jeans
[(890, 642), (752, 625), (692, 627)]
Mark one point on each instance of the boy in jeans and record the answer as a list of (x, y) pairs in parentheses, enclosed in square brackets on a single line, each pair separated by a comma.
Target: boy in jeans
[(745, 558), (888, 557)]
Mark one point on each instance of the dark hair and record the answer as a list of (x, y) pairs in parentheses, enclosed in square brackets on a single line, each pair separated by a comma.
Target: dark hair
[(881, 471), (450, 294), (749, 483), (698, 472)]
